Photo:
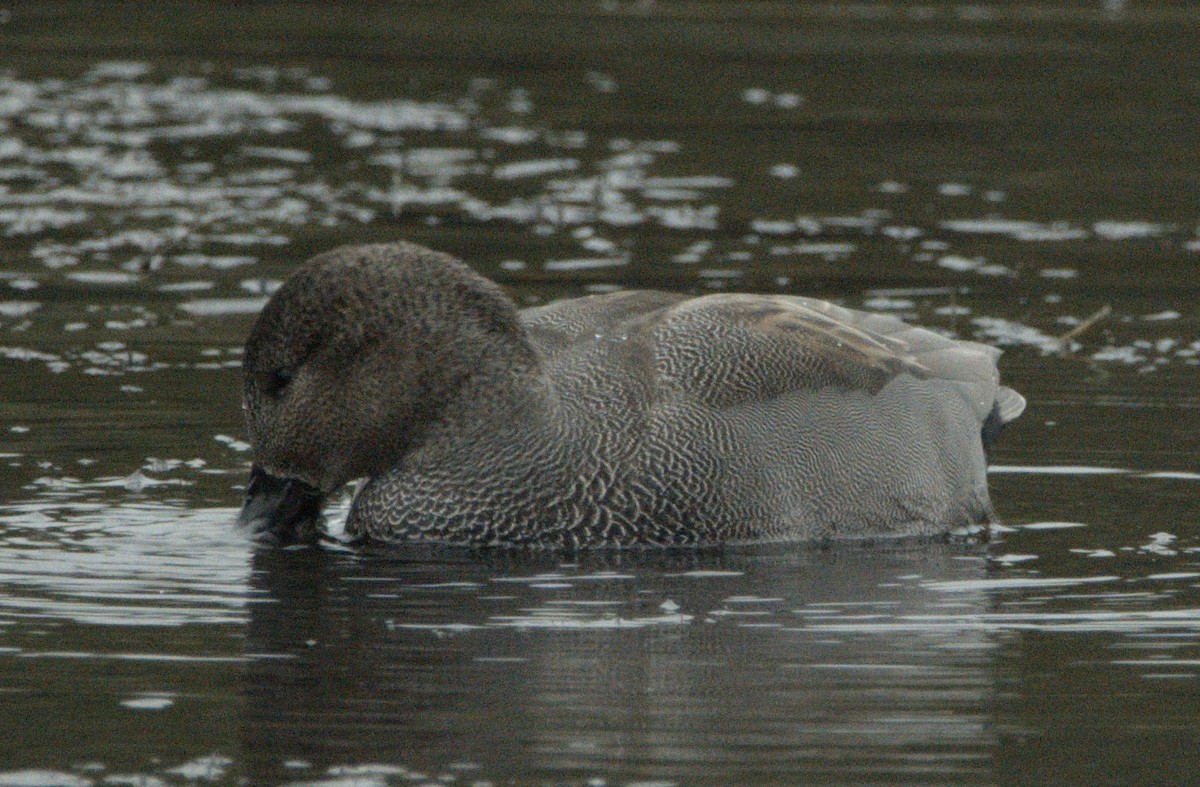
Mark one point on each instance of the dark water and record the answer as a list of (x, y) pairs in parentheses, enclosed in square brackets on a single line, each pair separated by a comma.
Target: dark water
[(1000, 172)]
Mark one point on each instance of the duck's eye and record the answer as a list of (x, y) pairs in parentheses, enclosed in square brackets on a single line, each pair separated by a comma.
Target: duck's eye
[(273, 382)]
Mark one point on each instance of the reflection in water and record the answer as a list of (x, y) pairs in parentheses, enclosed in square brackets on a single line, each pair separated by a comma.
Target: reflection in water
[(706, 668), (1074, 710), (1026, 659), (119, 635), (151, 565), (132, 180)]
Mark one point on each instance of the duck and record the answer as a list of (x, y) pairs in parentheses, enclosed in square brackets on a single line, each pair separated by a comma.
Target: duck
[(621, 419)]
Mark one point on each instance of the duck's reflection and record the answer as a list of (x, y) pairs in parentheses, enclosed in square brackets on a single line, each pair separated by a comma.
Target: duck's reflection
[(697, 666)]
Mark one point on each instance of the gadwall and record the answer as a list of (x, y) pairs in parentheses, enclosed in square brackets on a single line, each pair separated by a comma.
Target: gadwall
[(618, 419)]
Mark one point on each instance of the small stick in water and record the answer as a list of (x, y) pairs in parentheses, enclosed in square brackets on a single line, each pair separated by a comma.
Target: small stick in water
[(1064, 341)]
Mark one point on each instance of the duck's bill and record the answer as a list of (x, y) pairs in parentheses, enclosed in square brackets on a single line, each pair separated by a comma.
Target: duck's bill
[(282, 510)]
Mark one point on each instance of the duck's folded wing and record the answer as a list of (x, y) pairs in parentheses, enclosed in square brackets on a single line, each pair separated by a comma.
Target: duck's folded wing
[(730, 350)]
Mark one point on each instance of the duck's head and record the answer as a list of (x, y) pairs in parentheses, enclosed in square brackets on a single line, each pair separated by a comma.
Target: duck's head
[(348, 366)]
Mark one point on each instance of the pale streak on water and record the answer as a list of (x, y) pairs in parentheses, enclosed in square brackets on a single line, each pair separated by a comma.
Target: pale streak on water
[(148, 209)]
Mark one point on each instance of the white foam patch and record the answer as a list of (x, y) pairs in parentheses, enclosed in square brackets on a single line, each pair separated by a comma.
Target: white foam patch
[(708, 574), (220, 307), (1014, 583), (149, 701), (585, 264), (1056, 470), (40, 778), (18, 308), (554, 619)]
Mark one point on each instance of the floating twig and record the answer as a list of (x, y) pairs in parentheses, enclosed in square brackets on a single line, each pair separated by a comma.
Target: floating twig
[(1064, 341)]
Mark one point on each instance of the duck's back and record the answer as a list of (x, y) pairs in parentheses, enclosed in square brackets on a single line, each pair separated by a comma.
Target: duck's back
[(736, 348)]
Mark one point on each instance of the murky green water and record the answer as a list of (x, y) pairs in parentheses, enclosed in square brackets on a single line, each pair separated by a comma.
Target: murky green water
[(1000, 172)]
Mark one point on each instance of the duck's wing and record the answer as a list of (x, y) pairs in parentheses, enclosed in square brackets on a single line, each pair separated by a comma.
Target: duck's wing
[(730, 350)]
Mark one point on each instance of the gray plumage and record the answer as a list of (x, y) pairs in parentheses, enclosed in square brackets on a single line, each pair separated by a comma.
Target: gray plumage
[(626, 418)]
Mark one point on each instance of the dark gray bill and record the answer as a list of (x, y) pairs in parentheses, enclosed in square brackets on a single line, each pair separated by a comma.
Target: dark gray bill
[(284, 510)]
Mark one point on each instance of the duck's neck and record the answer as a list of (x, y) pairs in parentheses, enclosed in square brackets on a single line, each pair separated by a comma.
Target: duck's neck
[(504, 393)]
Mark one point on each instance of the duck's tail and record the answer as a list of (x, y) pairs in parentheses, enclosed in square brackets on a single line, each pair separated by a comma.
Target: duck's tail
[(1008, 406)]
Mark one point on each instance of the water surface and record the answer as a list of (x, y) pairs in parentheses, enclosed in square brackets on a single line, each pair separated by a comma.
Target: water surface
[(997, 172)]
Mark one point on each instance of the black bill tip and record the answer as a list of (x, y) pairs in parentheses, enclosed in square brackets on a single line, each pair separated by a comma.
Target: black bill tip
[(282, 510)]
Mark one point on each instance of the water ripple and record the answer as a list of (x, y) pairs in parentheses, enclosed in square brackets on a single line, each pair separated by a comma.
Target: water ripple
[(128, 565)]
